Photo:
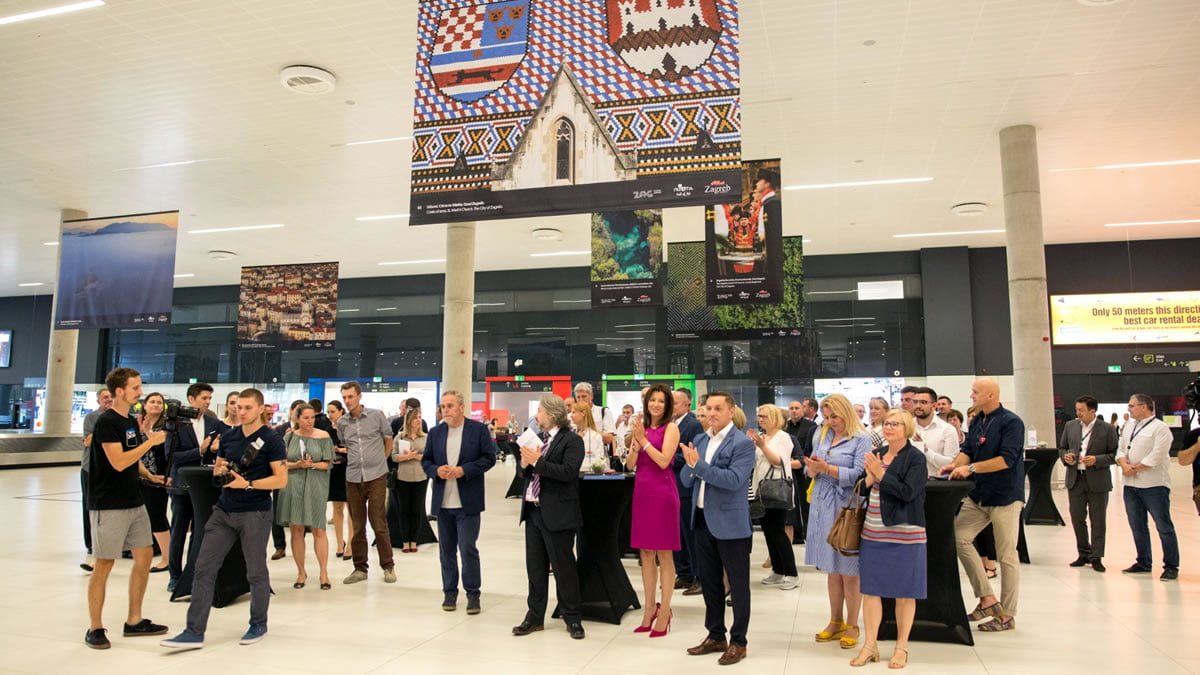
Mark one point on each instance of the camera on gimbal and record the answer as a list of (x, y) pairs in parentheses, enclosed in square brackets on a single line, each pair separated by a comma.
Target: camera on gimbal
[(173, 409), (1191, 394), (248, 457)]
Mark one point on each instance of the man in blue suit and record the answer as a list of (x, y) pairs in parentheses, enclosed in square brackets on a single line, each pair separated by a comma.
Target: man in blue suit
[(717, 469), (686, 577), (194, 438), (457, 453)]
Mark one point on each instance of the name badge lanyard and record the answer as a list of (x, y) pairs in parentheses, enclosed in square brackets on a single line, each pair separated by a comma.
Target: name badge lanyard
[(1136, 430)]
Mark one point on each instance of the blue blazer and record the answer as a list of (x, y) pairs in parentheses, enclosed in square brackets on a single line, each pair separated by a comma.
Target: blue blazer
[(478, 454), (727, 479), (187, 453)]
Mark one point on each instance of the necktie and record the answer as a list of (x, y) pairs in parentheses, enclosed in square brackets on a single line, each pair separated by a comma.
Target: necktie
[(535, 486)]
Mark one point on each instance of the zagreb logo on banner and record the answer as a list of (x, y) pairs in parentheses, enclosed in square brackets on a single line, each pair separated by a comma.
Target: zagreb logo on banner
[(478, 48), (665, 39)]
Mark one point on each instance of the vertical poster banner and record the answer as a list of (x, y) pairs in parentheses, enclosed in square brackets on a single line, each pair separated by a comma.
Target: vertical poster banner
[(545, 107), (627, 254), (288, 306), (117, 272), (743, 240)]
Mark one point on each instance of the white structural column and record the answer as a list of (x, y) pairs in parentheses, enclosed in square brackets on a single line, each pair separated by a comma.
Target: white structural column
[(458, 324), (60, 362), (1027, 299)]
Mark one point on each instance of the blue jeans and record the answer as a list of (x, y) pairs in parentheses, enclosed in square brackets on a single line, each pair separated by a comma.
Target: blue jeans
[(457, 533), (1157, 502)]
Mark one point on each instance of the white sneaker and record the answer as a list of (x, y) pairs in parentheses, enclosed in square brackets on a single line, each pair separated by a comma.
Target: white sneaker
[(773, 579), (790, 582), (389, 576)]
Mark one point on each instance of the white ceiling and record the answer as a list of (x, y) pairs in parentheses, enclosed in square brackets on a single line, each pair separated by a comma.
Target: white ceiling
[(90, 95)]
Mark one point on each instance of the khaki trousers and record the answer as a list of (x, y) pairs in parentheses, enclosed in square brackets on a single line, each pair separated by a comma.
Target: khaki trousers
[(1005, 521)]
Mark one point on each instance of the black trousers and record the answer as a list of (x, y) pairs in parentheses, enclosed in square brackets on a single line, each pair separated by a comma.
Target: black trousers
[(277, 531), (779, 547), (181, 522), (410, 502), (542, 549), (685, 568), (731, 556), (85, 485), (1085, 503)]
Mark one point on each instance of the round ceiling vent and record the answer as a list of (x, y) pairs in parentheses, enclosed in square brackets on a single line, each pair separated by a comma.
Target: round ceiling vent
[(222, 255), (308, 79), (968, 208), (547, 234)]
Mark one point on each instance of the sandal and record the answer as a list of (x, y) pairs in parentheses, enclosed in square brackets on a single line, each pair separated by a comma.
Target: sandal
[(996, 625), (872, 655), (300, 583), (325, 585), (990, 571), (849, 642), (831, 635), (896, 665)]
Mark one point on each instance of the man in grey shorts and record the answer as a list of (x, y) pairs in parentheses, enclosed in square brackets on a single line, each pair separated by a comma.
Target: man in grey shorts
[(117, 512)]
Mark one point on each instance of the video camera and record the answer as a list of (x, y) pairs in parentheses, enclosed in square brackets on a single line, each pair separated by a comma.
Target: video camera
[(248, 457), (173, 409), (1191, 394)]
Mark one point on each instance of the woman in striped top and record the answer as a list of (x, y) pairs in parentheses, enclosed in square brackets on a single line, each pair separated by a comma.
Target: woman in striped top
[(892, 552)]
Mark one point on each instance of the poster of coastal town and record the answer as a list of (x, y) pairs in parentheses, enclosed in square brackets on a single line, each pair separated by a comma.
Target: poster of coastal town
[(288, 306), (117, 272)]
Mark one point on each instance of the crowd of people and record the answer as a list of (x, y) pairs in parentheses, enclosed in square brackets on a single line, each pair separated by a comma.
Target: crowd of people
[(701, 480)]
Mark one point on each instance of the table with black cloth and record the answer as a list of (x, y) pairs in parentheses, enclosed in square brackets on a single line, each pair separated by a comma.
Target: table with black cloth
[(941, 616), (1039, 506), (231, 579), (603, 582)]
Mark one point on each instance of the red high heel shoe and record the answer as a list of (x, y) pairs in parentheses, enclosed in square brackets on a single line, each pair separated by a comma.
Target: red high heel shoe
[(647, 629), (670, 615)]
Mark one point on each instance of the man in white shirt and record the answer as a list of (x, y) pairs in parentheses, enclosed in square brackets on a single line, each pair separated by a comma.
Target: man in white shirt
[(605, 420), (933, 435), (1144, 454)]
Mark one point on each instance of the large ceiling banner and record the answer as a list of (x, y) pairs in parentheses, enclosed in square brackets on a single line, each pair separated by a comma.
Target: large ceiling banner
[(288, 306), (117, 272), (542, 107)]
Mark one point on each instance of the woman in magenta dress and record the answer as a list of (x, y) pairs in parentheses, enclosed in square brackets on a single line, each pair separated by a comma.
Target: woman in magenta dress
[(655, 528)]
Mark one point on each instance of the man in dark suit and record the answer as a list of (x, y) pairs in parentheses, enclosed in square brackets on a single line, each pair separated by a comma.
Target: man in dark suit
[(800, 427), (1088, 447), (550, 511), (718, 471), (457, 453), (193, 438), (689, 428)]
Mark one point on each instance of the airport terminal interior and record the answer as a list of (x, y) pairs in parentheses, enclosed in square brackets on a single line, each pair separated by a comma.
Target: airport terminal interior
[(905, 168)]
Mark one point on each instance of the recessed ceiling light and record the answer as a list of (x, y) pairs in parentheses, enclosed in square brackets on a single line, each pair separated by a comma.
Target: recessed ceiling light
[(547, 255), (50, 243), (413, 262), (944, 234), (385, 309), (31, 283), (1134, 165), (236, 229), (392, 216), (859, 183), (1154, 222), (222, 255), (393, 139), (968, 209), (51, 11), (184, 276)]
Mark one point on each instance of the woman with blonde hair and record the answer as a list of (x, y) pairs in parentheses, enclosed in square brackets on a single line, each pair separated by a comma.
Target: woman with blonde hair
[(593, 443), (835, 466), (878, 409), (774, 449), (407, 505)]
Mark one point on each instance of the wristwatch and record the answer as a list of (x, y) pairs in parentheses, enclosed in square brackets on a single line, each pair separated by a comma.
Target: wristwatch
[(250, 484), (970, 468)]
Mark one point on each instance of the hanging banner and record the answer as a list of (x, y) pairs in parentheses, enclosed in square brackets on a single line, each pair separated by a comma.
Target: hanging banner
[(742, 241), (116, 272), (288, 306), (627, 258), (689, 317), (545, 107)]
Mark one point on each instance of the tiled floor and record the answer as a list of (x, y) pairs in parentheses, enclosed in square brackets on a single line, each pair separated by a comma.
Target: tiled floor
[(1071, 620)]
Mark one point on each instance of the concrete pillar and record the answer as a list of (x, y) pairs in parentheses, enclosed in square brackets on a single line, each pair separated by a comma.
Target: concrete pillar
[(458, 322), (60, 362), (1027, 298)]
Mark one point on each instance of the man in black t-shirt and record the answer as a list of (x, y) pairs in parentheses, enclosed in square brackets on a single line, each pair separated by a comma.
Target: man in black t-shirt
[(1191, 448), (118, 516), (254, 455)]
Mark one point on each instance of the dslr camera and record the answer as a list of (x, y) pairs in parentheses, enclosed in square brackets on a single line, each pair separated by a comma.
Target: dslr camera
[(248, 457), (1191, 394), (173, 410)]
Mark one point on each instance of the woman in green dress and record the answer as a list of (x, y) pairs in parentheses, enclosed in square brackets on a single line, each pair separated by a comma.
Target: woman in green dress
[(302, 503)]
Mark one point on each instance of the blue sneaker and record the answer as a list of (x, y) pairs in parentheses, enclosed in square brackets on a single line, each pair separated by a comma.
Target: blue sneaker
[(257, 632), (185, 640)]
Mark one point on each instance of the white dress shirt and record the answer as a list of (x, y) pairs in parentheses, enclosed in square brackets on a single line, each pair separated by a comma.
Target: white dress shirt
[(549, 439), (1147, 442), (939, 442), (714, 442), (1085, 437)]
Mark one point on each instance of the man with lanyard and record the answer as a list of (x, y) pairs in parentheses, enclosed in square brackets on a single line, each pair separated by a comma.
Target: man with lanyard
[(1144, 455), (993, 454), (1088, 447), (254, 455)]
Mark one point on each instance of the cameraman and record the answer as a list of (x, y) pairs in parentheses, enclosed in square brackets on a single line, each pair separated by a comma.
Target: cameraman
[(253, 454), (194, 437)]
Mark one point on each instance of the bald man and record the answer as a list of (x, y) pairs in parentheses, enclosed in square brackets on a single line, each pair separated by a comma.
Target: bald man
[(993, 454)]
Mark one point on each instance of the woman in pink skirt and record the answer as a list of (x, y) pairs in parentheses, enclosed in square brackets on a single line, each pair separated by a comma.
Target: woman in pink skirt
[(655, 528)]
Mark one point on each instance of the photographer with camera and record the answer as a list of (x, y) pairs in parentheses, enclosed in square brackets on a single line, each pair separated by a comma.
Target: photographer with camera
[(191, 430), (250, 464), (1191, 441)]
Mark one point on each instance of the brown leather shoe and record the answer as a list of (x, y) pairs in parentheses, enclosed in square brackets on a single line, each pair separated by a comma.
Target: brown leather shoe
[(708, 646), (732, 655)]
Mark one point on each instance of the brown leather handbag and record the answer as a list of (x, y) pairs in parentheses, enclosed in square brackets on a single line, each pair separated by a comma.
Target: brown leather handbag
[(846, 532)]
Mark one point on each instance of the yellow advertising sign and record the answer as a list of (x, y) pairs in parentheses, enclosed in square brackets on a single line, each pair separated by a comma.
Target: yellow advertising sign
[(1125, 318)]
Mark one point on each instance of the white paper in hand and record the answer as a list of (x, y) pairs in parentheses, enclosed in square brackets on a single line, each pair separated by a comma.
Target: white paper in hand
[(529, 439)]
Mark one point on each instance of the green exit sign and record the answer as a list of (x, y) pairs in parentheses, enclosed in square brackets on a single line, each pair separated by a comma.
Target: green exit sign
[(377, 379), (193, 380), (1114, 369), (519, 378)]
